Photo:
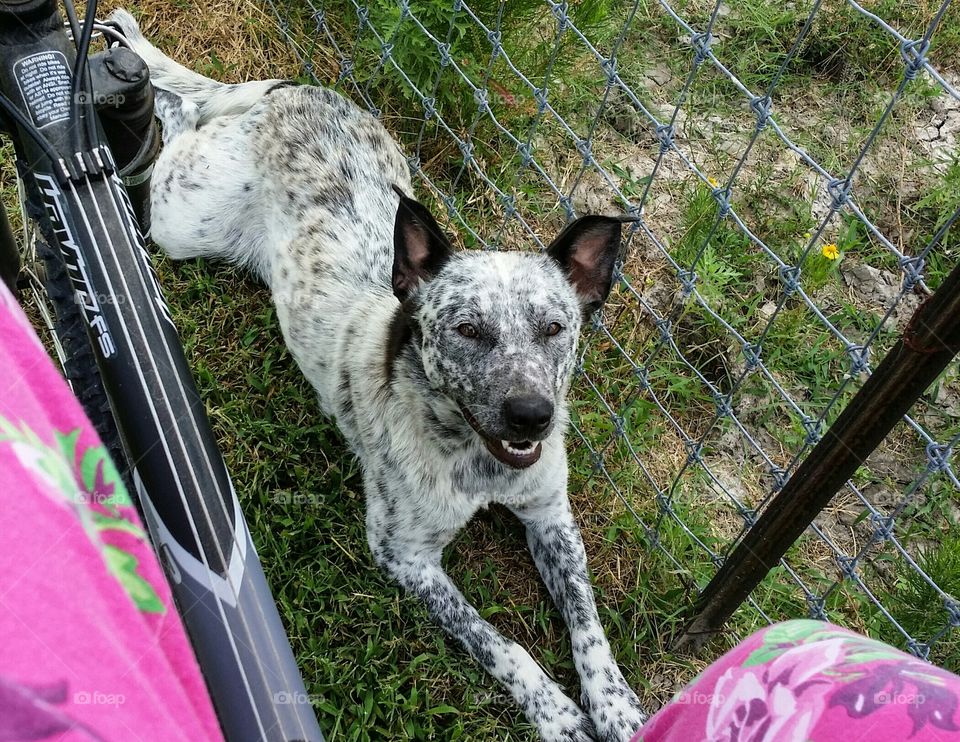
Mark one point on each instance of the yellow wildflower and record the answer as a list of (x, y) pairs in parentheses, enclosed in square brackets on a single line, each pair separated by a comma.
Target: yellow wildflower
[(714, 183), (830, 251)]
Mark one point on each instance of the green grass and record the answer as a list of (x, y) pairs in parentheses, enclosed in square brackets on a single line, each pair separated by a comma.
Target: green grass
[(918, 607), (374, 664), (843, 48)]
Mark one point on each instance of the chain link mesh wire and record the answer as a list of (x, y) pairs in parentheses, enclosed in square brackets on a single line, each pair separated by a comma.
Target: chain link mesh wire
[(703, 385)]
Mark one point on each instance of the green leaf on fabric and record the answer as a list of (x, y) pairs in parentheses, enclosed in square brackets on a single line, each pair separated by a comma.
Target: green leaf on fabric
[(68, 444), (792, 632), (763, 655), (108, 523), (123, 566), (872, 655), (96, 460), (781, 637)]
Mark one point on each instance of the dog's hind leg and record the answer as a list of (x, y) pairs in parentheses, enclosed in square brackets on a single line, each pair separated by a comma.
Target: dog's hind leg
[(177, 115), (557, 549), (206, 198)]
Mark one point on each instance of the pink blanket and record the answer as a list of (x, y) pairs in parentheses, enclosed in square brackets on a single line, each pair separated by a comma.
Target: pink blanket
[(808, 680), (91, 646)]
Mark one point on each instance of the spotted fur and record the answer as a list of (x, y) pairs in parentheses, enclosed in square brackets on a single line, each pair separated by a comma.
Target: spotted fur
[(425, 357)]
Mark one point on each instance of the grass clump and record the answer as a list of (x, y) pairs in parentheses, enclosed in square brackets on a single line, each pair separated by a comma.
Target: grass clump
[(920, 609), (525, 32)]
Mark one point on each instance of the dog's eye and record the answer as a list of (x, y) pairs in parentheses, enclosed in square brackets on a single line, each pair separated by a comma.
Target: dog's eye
[(553, 329), (467, 330)]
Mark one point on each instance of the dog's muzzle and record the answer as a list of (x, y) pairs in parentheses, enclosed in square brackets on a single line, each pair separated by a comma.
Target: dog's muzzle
[(516, 454)]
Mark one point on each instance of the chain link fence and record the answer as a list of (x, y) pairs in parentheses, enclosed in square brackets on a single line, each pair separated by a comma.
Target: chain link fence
[(773, 156)]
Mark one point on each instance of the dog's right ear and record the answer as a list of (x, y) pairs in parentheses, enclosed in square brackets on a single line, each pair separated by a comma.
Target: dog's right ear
[(420, 248)]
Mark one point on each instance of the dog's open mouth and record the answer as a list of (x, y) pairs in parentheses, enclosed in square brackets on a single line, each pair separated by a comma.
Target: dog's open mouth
[(518, 454)]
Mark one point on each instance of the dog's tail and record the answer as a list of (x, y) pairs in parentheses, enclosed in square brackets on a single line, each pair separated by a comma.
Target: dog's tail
[(211, 97)]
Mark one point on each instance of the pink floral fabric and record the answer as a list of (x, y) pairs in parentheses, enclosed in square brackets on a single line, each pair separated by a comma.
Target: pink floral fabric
[(808, 680), (91, 646)]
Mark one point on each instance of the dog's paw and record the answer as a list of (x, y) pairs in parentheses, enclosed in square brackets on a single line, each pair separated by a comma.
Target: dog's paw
[(559, 719), (615, 712)]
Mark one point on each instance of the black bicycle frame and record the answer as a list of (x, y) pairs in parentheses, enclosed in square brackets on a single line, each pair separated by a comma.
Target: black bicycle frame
[(186, 495)]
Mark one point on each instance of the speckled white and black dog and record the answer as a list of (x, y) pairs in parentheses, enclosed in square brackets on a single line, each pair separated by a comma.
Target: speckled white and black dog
[(446, 372)]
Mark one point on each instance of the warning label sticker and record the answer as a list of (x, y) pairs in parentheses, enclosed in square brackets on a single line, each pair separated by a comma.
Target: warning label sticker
[(44, 81)]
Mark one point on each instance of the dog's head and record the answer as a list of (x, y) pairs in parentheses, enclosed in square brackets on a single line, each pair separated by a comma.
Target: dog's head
[(497, 331)]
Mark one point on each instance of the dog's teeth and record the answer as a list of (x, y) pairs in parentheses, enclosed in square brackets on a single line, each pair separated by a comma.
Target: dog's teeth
[(526, 450)]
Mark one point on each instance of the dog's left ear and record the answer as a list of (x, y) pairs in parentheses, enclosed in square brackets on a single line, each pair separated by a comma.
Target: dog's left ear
[(420, 248), (587, 250)]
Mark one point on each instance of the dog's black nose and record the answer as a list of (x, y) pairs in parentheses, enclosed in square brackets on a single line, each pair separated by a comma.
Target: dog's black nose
[(529, 414)]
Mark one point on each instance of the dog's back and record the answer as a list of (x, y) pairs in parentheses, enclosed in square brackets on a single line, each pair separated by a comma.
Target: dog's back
[(294, 182), (332, 167)]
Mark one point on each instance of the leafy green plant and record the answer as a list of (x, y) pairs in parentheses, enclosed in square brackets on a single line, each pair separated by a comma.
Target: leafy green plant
[(527, 36), (720, 262)]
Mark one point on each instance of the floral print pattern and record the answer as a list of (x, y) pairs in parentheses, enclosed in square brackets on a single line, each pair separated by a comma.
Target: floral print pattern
[(85, 479), (92, 646), (806, 680)]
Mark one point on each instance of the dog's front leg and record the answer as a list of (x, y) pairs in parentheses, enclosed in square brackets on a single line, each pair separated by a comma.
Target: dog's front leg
[(557, 549), (543, 701)]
